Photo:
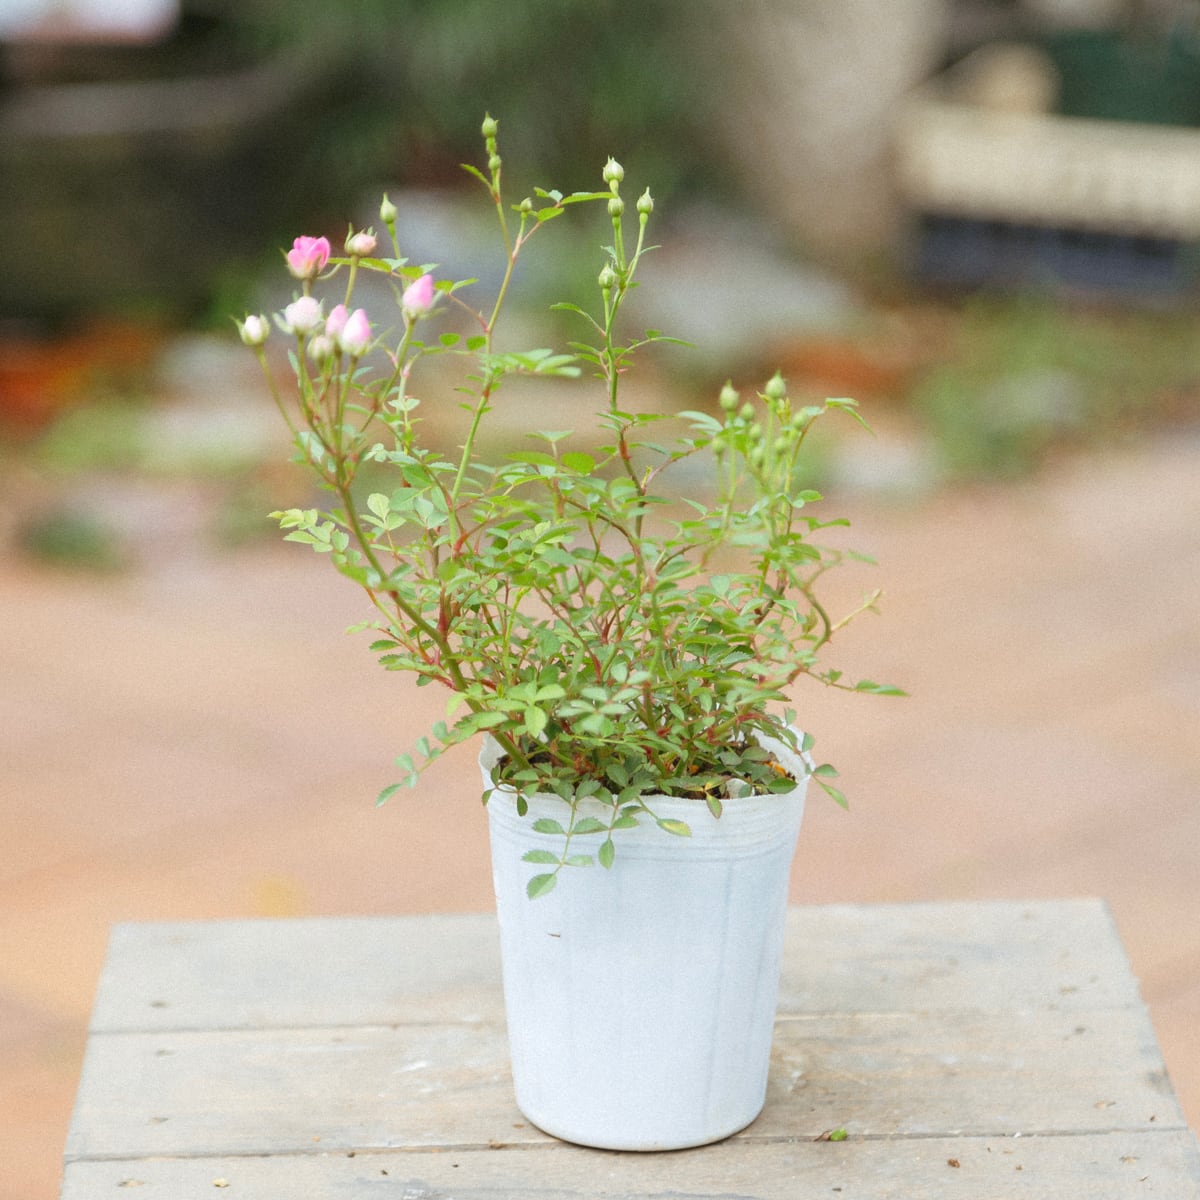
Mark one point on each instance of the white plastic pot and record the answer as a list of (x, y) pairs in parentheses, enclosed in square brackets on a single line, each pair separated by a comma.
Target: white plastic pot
[(641, 999)]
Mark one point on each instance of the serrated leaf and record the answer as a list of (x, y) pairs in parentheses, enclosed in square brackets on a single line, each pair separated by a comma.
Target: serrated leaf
[(580, 463), (545, 857), (588, 825), (578, 860), (672, 826), (548, 825), (535, 721), (540, 885)]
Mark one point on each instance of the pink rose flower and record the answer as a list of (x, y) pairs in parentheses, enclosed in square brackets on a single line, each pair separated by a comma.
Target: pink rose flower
[(308, 256), (418, 298)]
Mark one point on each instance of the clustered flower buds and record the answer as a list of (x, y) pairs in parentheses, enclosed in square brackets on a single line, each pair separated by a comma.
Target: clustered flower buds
[(308, 256), (488, 129)]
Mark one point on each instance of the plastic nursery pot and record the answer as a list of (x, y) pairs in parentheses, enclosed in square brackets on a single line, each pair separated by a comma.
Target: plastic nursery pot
[(640, 999)]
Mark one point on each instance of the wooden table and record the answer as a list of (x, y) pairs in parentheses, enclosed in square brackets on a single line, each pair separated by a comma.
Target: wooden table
[(968, 1050)]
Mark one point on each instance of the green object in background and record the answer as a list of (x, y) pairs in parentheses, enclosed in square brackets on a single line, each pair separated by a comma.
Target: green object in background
[(65, 537), (1112, 76)]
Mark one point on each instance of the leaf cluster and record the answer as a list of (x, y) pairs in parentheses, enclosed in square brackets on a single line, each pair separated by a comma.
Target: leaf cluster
[(579, 609)]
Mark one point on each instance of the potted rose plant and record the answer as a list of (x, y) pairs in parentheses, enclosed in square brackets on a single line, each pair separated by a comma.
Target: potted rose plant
[(626, 652)]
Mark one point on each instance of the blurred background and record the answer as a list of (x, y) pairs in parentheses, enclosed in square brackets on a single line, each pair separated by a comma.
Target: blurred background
[(979, 217)]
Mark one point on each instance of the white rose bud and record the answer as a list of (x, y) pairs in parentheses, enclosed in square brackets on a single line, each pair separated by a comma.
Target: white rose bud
[(254, 330), (303, 316)]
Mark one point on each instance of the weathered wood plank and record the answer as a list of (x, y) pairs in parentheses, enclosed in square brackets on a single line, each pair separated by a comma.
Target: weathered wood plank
[(842, 958), (1112, 1166), (892, 1075), (276, 974), (969, 954)]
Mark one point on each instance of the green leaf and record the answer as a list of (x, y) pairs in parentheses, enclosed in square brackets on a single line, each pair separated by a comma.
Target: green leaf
[(487, 720), (580, 463), (540, 885), (588, 825), (606, 853), (838, 1135), (578, 860), (834, 794), (388, 792), (545, 857), (549, 825), (671, 825), (878, 689), (535, 721)]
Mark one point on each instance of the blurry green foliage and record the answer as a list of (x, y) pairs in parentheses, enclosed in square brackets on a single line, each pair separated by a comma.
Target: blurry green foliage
[(1026, 375), (571, 81)]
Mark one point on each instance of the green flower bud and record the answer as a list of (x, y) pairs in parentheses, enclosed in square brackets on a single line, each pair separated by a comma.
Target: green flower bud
[(613, 173), (616, 206), (494, 163), (608, 279), (729, 397), (489, 126), (527, 205), (645, 204), (387, 212), (776, 389), (746, 412)]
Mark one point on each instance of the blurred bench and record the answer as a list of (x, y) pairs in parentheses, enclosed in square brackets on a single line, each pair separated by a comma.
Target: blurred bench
[(966, 1049)]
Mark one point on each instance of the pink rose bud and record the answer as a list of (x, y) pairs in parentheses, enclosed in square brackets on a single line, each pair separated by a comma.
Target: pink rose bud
[(418, 298), (308, 256), (254, 330), (336, 321), (302, 316), (356, 334), (361, 244)]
